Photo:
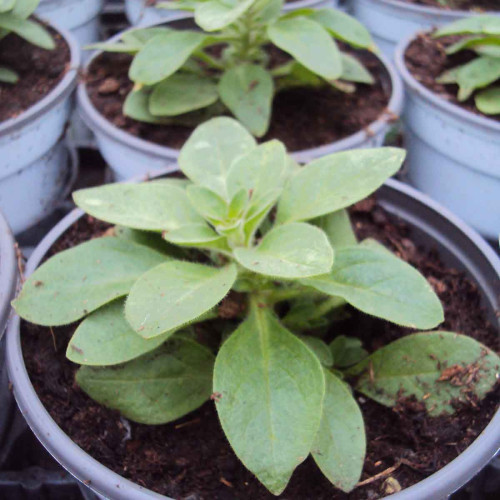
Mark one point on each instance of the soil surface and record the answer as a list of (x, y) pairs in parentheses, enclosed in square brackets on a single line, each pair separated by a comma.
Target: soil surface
[(301, 118), (477, 5), (191, 458), (426, 60), (39, 72)]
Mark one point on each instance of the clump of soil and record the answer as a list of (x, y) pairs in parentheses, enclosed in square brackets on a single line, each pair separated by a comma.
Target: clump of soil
[(426, 60), (301, 118), (476, 5), (191, 458), (39, 71)]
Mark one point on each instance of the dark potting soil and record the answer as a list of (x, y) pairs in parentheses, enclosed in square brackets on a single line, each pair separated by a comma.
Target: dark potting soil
[(191, 458), (39, 72), (477, 5), (301, 118), (426, 60)]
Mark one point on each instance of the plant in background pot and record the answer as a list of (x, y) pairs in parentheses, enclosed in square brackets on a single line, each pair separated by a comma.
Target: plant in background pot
[(453, 137), (271, 243), (34, 173), (391, 21), (266, 68)]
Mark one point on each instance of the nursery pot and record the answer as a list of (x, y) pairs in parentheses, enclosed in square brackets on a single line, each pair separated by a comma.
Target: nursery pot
[(129, 156), (140, 14), (390, 21), (453, 154), (8, 280), (34, 169), (432, 225)]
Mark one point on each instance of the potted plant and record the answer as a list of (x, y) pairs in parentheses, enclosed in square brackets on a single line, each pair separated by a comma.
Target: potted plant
[(39, 70), (391, 21), (250, 63), (451, 116), (224, 287), (144, 12)]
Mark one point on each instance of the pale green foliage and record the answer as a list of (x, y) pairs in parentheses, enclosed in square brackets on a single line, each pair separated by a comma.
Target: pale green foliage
[(14, 19), (179, 80), (248, 219), (482, 36)]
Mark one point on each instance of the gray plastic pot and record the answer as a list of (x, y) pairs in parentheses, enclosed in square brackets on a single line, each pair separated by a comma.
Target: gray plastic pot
[(390, 21), (34, 169), (8, 281), (140, 14), (458, 245), (453, 154), (129, 156)]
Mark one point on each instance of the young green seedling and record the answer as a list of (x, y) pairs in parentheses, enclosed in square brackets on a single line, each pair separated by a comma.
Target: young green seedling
[(14, 19), (481, 74), (248, 220), (186, 76)]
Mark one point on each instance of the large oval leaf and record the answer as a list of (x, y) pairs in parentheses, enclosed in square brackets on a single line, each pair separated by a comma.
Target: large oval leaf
[(212, 15), (33, 32), (156, 388), (488, 101), (197, 236), (280, 390), (154, 206), (488, 25), (247, 90), (438, 368), (378, 283), (337, 181), (174, 294), (208, 154), (105, 338), (340, 445), (289, 251), (77, 281), (309, 43)]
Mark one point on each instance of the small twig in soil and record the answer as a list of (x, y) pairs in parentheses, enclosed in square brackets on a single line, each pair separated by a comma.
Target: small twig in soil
[(380, 475), (226, 482), (185, 424), (20, 261), (53, 338)]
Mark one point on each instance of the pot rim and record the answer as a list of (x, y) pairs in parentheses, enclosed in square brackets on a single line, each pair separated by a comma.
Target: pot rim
[(8, 272), (417, 88), (94, 119), (427, 10), (108, 483), (56, 95)]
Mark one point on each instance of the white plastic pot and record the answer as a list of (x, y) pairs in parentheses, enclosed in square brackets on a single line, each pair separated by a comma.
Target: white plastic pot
[(390, 21), (34, 169), (453, 154), (129, 156), (139, 14)]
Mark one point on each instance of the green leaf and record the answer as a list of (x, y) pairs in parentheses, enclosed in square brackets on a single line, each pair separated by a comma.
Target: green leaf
[(141, 36), (347, 351), (281, 390), (268, 11), (477, 74), (136, 106), (473, 43), (238, 203), (340, 445), (212, 15), (488, 25), (354, 71), (378, 283), (181, 93), (258, 212), (449, 76), (344, 27), (29, 30), (337, 226), (156, 388), (77, 281), (6, 5), (488, 101), (319, 348), (437, 368), (24, 8), (289, 251), (174, 294), (8, 76), (105, 338), (150, 206), (197, 236), (247, 90), (336, 181), (163, 55), (207, 203), (118, 47), (309, 43), (208, 154)]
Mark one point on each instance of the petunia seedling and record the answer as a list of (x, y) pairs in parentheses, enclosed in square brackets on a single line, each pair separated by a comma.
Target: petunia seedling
[(187, 76), (251, 240)]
